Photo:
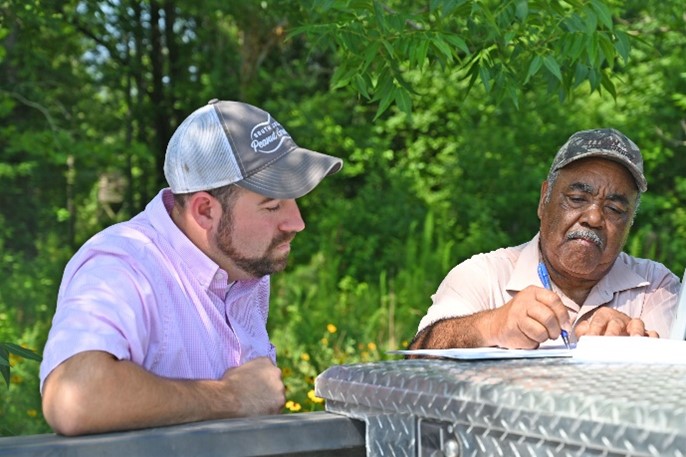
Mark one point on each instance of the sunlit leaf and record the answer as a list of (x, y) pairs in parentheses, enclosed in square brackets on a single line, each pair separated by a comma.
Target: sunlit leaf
[(552, 66)]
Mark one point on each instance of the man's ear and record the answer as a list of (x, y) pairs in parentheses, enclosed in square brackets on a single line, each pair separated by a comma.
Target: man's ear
[(204, 209), (541, 199)]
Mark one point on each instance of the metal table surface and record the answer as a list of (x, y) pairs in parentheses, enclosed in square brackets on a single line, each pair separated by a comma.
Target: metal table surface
[(527, 407)]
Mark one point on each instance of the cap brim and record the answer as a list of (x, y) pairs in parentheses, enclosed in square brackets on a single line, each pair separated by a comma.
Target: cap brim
[(293, 175)]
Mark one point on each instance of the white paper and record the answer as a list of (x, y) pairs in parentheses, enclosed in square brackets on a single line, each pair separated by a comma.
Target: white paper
[(548, 349), (588, 349), (630, 349)]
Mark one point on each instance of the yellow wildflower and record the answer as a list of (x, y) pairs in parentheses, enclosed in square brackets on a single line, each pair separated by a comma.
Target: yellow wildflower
[(293, 406), (31, 412), (371, 346), (331, 328), (305, 356), (313, 398)]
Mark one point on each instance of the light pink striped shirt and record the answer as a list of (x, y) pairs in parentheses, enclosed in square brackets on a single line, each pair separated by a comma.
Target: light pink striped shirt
[(637, 287), (142, 291)]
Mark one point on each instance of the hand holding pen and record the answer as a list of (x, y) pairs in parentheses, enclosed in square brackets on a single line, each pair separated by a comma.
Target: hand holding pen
[(545, 279), (533, 316)]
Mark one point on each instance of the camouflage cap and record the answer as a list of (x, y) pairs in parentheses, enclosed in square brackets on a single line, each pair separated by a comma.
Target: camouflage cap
[(606, 143)]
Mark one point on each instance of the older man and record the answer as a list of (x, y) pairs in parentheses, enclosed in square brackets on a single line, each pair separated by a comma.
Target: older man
[(586, 208), (162, 319)]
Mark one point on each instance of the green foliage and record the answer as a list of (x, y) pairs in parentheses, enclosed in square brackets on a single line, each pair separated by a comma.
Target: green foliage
[(319, 318), (28, 287), (7, 349), (20, 403), (494, 88), (507, 46)]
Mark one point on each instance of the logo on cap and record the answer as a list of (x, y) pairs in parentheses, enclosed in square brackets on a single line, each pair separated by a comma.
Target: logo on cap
[(268, 136)]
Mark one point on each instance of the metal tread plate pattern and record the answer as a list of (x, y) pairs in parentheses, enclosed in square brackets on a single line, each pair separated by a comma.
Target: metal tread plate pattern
[(556, 407)]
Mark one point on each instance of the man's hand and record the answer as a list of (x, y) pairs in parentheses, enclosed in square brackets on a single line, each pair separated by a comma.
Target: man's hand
[(255, 387), (610, 322), (533, 316)]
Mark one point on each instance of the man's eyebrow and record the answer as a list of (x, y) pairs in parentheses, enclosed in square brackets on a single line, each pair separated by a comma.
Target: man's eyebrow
[(618, 198), (587, 188), (266, 200), (581, 186)]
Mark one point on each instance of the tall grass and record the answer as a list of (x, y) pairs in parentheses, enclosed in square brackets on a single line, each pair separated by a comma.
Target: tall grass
[(321, 317)]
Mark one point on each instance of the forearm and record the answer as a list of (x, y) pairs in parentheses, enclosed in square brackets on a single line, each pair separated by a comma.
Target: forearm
[(459, 332), (92, 392)]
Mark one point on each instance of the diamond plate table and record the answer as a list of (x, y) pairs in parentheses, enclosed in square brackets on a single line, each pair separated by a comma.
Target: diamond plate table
[(534, 407)]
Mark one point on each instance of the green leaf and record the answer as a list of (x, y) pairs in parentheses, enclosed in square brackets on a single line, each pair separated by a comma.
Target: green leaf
[(370, 54), (384, 102), (623, 46), (380, 15), (522, 10), (593, 78), (608, 85), (457, 42), (553, 67), (420, 52), (607, 48), (603, 13), (5, 367), (442, 47), (341, 76), (20, 351), (403, 100), (534, 66), (592, 51), (485, 77), (578, 45), (384, 85), (591, 23), (389, 48), (580, 74), (361, 85)]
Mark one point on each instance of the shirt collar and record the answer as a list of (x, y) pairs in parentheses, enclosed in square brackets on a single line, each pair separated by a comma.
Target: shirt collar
[(205, 269)]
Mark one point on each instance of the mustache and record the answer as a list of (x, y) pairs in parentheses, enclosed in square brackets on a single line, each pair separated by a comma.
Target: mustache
[(282, 238), (589, 235)]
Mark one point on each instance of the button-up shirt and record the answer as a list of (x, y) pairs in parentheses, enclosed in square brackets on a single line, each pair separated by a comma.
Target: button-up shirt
[(639, 288), (142, 291)]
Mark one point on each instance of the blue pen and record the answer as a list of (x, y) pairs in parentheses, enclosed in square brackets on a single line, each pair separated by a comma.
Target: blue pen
[(545, 279)]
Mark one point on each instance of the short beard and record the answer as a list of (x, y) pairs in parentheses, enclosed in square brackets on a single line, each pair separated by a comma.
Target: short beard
[(256, 267)]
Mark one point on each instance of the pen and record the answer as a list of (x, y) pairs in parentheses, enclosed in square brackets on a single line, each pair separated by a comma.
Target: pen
[(545, 279)]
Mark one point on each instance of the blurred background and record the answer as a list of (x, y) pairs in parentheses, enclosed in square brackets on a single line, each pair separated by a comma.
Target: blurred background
[(447, 114)]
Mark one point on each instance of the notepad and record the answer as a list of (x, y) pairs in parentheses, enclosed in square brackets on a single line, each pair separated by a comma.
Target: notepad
[(589, 349), (490, 353)]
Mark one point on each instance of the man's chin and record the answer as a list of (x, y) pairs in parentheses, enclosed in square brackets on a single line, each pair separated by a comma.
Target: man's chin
[(584, 270), (278, 265)]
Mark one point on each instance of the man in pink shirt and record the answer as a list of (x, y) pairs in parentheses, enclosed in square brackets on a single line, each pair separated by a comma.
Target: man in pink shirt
[(162, 319), (586, 207)]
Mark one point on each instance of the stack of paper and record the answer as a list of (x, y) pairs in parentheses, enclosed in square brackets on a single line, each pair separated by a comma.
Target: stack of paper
[(589, 348)]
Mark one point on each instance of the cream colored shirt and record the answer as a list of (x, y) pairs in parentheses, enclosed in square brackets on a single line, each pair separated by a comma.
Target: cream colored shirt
[(637, 287)]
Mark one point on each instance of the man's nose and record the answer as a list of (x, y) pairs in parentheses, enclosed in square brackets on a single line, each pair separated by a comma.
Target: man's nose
[(593, 215), (293, 221)]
